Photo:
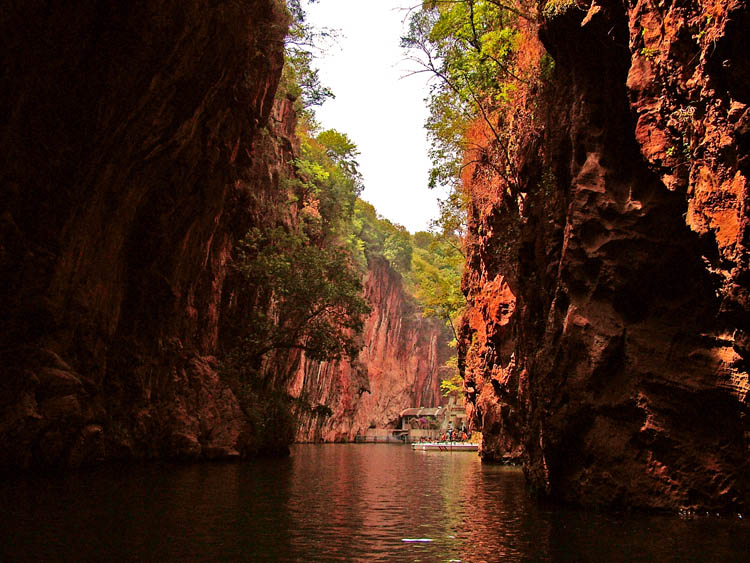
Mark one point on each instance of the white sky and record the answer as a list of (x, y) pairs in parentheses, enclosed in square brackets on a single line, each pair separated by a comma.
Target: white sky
[(381, 112)]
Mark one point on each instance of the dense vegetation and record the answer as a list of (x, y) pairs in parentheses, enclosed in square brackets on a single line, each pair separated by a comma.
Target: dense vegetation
[(305, 270), (300, 266), (486, 65)]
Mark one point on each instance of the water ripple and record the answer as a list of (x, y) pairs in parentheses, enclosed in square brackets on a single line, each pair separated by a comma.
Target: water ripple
[(333, 503)]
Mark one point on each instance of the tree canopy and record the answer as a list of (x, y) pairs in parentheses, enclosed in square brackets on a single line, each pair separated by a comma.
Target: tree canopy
[(469, 47), (312, 291)]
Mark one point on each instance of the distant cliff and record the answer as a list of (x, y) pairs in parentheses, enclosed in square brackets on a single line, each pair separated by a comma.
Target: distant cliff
[(606, 343), (399, 366)]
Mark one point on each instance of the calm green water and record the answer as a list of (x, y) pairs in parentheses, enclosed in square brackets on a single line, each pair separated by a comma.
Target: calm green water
[(334, 502)]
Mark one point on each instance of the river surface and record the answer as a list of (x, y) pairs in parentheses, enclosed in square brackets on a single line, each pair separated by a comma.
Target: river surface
[(355, 502)]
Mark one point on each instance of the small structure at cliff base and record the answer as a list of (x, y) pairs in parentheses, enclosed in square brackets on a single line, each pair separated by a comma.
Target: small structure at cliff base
[(419, 424), (432, 422)]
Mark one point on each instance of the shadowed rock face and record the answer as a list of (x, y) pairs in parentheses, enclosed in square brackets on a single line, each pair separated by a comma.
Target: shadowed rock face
[(606, 343), (133, 154), (399, 366), (140, 142)]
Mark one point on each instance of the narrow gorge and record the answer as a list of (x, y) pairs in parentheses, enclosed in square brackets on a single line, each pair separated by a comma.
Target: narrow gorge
[(123, 202), (164, 182)]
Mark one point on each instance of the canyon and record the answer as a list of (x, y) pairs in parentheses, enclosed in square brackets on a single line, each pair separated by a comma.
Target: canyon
[(607, 336)]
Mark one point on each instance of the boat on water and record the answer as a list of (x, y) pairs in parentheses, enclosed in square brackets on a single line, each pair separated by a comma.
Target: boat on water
[(445, 446)]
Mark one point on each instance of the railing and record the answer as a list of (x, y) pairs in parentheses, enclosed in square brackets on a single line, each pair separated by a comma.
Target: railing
[(378, 440)]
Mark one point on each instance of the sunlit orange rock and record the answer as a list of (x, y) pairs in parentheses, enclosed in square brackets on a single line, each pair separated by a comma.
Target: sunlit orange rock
[(619, 376)]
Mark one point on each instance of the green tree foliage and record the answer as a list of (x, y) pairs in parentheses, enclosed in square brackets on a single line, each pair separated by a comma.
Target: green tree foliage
[(371, 229), (376, 236), (327, 182), (452, 384), (299, 79), (341, 151), (422, 239), (469, 46), (437, 270), (315, 296), (398, 249)]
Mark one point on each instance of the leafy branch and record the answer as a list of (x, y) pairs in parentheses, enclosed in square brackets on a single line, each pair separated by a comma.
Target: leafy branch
[(469, 46)]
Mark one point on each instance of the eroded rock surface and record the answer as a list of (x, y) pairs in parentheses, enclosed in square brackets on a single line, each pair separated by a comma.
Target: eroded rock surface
[(606, 343)]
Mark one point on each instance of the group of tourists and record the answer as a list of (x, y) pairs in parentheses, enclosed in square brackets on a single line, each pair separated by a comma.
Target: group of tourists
[(451, 435), (455, 435)]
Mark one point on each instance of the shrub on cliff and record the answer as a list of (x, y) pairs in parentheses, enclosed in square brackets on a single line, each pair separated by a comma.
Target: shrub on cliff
[(470, 48), (271, 424), (310, 297)]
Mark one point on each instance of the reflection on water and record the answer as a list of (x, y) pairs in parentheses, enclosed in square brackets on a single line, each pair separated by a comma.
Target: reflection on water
[(333, 502)]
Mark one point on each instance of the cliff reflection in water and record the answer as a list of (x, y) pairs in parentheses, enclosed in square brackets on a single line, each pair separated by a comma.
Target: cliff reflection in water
[(327, 502)]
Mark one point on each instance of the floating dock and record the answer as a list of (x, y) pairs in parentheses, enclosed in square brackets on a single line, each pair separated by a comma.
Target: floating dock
[(445, 446)]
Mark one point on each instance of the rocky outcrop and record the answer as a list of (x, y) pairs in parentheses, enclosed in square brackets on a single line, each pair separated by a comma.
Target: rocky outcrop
[(606, 342), (134, 151), (399, 367)]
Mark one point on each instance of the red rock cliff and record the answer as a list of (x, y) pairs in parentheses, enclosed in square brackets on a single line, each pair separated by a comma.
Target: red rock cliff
[(398, 367), (133, 154), (606, 343)]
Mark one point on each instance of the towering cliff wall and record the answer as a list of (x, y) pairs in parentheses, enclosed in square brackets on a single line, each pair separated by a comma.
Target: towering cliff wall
[(134, 152), (399, 366), (606, 343), (141, 142)]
